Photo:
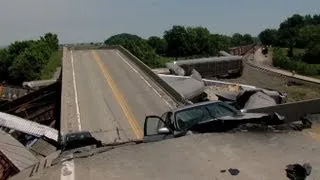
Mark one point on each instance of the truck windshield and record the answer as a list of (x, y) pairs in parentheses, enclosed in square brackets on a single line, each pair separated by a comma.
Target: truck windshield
[(189, 117)]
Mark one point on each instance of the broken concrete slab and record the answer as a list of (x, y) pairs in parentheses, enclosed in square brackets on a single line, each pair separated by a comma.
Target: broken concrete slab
[(189, 87)]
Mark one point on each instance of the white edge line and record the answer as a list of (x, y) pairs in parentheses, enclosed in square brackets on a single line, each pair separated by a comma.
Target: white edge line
[(67, 170), (75, 93), (144, 79)]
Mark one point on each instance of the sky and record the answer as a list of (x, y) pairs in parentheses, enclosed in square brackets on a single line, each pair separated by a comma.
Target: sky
[(96, 20)]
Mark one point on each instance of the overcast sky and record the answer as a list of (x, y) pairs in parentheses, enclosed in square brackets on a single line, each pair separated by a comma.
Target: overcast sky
[(96, 20)]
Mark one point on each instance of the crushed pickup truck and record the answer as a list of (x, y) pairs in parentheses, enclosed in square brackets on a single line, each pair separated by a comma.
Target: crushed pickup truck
[(211, 116)]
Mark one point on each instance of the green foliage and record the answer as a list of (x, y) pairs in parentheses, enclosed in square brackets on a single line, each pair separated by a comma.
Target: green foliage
[(137, 46), (50, 68), (268, 36), (122, 39), (164, 60), (198, 41), (312, 55), (221, 42), (247, 39), (178, 42), (281, 60), (308, 34), (21, 70), (240, 40), (5, 63), (158, 44), (18, 47), (24, 60), (51, 40), (296, 31), (301, 32), (176, 39)]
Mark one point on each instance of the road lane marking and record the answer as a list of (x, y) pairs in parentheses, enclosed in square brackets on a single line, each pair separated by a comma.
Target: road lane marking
[(67, 169), (143, 79), (120, 97), (75, 93)]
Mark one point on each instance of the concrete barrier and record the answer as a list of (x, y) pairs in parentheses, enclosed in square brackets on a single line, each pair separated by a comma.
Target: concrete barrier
[(292, 111), (179, 98)]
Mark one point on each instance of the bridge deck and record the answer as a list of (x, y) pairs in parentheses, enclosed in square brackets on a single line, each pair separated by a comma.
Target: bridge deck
[(105, 93)]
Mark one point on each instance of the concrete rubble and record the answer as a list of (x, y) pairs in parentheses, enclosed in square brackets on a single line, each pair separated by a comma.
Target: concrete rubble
[(196, 89)]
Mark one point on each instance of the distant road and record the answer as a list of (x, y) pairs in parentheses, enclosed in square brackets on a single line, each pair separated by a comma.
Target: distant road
[(111, 96), (266, 63)]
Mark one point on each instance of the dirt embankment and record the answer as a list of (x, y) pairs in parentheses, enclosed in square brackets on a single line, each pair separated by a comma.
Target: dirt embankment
[(259, 78)]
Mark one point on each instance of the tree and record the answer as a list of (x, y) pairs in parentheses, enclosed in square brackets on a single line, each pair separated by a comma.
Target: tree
[(17, 48), (294, 21), (237, 39), (221, 42), (122, 39), (176, 39), (295, 31), (160, 45), (288, 31), (268, 37), (5, 63), (23, 60), (189, 41), (308, 34), (137, 46), (52, 40), (312, 56), (21, 70), (247, 39), (203, 44), (28, 64)]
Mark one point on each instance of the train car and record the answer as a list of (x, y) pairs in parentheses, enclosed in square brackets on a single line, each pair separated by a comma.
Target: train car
[(209, 67)]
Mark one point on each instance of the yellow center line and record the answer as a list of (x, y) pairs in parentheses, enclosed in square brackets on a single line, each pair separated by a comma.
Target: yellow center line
[(120, 97)]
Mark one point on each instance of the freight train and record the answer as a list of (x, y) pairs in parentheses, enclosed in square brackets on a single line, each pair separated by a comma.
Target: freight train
[(209, 67)]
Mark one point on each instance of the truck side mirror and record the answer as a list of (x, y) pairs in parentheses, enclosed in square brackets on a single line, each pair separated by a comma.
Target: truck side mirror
[(164, 130)]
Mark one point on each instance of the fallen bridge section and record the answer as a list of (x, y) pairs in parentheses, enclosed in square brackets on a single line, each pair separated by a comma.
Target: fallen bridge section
[(14, 157), (28, 127), (109, 94)]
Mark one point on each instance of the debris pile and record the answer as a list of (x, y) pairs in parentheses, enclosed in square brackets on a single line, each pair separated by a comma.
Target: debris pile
[(245, 98), (298, 172)]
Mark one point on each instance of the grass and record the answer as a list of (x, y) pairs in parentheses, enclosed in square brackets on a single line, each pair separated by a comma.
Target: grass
[(295, 63), (50, 68), (298, 93), (296, 51), (164, 60), (317, 76)]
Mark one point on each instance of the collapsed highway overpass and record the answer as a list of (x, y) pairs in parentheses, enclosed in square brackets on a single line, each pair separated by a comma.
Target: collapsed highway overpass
[(109, 92)]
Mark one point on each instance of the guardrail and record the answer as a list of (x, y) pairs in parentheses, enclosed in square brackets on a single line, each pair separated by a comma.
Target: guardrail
[(176, 96)]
